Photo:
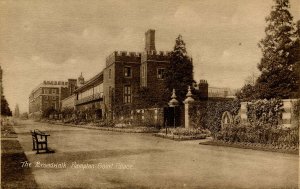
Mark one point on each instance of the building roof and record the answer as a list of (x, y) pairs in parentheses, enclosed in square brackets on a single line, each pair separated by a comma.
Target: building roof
[(91, 81), (50, 84)]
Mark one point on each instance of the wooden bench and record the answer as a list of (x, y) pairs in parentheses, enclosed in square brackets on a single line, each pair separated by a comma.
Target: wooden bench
[(39, 141)]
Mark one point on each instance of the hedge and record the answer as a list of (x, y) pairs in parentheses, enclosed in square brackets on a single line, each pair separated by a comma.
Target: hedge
[(263, 134)]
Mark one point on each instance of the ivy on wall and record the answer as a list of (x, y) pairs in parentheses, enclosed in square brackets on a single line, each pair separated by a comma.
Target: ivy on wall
[(208, 114), (261, 112)]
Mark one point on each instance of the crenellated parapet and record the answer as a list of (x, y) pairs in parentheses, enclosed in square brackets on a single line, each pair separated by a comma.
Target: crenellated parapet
[(155, 55), (55, 83), (203, 81), (123, 56)]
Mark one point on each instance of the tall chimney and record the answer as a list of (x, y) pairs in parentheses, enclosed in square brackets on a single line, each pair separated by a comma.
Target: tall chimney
[(150, 40)]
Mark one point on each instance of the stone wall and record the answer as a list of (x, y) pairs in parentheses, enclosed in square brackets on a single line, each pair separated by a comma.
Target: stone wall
[(142, 117)]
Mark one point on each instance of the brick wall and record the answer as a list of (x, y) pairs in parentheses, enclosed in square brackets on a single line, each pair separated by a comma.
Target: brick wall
[(155, 84)]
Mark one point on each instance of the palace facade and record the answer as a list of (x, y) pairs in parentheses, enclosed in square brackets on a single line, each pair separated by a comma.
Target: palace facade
[(124, 74)]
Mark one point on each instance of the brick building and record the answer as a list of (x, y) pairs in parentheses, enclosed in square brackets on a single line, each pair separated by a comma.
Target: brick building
[(126, 72), (50, 94)]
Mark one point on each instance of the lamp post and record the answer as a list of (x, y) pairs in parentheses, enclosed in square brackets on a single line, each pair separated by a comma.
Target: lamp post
[(173, 103)]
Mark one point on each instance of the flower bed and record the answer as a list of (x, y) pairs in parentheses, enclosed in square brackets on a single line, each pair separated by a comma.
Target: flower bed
[(107, 126), (183, 133)]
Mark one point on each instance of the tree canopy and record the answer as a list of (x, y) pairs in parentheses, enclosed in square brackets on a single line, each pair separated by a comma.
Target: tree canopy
[(279, 77), (5, 110), (179, 74)]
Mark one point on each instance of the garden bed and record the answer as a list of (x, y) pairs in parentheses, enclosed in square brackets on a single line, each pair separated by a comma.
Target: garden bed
[(183, 133), (253, 146), (180, 137), (131, 129)]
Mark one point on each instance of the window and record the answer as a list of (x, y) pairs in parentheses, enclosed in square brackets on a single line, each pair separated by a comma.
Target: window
[(127, 71), (160, 73), (109, 74), (127, 94), (46, 104), (46, 91), (98, 88), (143, 71), (46, 97), (53, 91), (53, 97)]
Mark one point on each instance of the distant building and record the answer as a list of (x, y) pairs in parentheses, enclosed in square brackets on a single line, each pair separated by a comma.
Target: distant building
[(50, 94), (221, 92), (205, 91)]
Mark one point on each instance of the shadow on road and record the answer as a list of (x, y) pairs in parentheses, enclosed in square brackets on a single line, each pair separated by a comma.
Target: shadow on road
[(13, 175)]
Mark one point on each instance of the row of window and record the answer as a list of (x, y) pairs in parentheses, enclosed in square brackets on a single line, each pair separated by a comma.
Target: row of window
[(49, 91), (50, 97), (128, 72)]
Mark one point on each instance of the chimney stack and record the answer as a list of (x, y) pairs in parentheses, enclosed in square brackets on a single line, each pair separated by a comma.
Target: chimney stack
[(150, 40)]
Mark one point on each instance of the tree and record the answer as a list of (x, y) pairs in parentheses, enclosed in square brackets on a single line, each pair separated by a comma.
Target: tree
[(278, 77), (17, 111), (5, 110), (295, 53), (24, 115), (179, 74), (48, 111), (251, 79)]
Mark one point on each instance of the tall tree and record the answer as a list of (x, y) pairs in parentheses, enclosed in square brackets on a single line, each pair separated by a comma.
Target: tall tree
[(17, 111), (179, 74), (278, 78), (296, 57)]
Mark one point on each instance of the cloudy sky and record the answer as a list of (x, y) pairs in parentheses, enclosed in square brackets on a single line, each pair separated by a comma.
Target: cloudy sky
[(56, 40)]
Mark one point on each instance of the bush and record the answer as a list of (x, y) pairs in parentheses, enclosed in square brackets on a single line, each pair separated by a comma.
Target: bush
[(263, 134)]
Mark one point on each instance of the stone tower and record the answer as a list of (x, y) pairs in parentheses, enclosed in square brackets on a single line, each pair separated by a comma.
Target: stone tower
[(72, 85), (150, 40), (80, 80)]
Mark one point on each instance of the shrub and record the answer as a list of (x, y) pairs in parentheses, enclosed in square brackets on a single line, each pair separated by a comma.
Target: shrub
[(263, 134), (265, 112)]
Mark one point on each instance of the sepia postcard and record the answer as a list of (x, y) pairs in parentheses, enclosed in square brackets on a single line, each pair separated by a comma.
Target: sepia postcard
[(150, 94)]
